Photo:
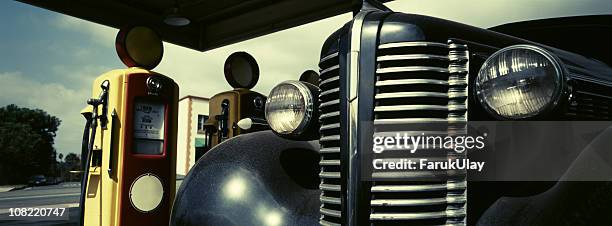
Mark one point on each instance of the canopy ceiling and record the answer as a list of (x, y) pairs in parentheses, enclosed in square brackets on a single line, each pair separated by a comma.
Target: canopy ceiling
[(213, 23)]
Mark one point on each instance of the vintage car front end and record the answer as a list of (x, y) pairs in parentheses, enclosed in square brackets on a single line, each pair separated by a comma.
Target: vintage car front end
[(386, 72), (387, 68)]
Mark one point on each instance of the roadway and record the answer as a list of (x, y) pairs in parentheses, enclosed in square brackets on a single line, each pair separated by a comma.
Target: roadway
[(64, 195)]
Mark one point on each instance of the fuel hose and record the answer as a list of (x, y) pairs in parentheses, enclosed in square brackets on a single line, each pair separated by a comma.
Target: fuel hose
[(93, 124)]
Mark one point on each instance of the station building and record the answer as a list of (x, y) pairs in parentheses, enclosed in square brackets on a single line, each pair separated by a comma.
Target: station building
[(191, 139)]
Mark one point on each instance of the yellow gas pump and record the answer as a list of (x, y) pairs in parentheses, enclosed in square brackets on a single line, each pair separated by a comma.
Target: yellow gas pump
[(227, 109), (131, 138)]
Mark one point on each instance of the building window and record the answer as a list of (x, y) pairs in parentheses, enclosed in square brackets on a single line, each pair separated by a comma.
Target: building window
[(201, 147), (201, 121)]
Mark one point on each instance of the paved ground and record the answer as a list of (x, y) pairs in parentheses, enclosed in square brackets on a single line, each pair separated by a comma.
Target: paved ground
[(5, 188), (64, 195)]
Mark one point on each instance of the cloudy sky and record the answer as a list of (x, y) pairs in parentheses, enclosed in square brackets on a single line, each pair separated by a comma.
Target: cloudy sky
[(49, 60)]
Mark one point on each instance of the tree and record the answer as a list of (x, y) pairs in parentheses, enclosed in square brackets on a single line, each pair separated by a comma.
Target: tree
[(72, 161), (26, 143)]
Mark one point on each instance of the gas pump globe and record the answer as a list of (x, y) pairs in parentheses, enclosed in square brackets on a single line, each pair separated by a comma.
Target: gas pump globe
[(130, 138)]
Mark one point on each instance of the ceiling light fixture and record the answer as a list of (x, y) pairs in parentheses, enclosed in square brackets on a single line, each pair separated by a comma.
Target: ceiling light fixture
[(173, 18)]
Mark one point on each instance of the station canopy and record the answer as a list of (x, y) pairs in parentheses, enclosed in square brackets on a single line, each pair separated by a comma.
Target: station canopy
[(212, 23)]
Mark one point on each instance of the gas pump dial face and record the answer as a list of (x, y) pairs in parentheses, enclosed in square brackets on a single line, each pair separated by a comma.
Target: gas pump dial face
[(149, 127), (149, 120)]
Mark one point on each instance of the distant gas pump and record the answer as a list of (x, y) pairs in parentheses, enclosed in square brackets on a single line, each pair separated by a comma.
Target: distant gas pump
[(130, 138), (227, 109)]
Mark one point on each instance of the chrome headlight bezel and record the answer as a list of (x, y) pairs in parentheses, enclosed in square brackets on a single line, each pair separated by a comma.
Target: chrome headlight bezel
[(309, 101), (559, 91)]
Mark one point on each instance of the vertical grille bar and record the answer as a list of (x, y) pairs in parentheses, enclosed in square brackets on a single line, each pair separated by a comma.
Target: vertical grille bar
[(458, 93), (330, 186)]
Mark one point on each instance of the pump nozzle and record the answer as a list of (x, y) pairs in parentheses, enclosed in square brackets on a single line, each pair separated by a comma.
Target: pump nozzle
[(247, 123)]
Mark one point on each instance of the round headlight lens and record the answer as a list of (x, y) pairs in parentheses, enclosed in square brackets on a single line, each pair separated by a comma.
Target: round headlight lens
[(519, 81), (289, 107)]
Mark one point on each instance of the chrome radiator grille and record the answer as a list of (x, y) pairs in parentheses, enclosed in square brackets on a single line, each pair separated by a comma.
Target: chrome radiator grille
[(330, 140), (591, 100), (420, 83)]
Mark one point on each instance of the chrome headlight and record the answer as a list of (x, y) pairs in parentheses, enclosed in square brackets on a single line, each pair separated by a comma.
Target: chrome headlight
[(290, 107), (519, 81)]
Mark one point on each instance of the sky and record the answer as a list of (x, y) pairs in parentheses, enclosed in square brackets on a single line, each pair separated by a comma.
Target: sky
[(49, 60)]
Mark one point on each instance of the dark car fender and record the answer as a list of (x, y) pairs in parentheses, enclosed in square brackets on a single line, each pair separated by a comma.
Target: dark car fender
[(581, 197), (252, 179)]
